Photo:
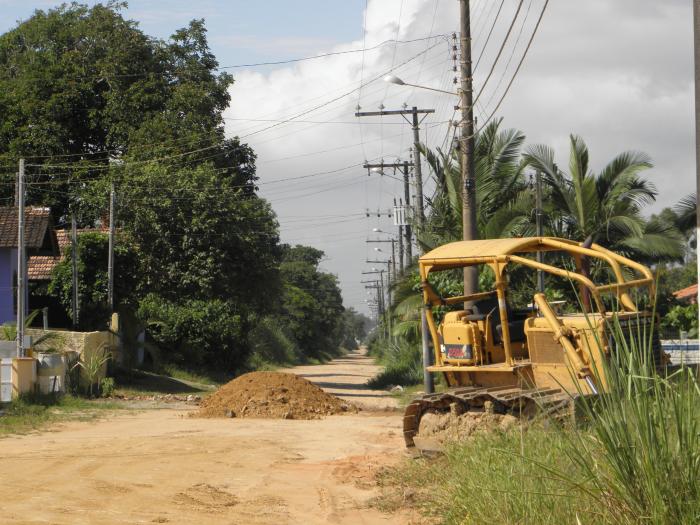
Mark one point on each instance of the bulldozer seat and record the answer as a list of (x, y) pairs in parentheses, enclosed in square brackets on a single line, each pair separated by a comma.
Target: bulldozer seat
[(481, 309)]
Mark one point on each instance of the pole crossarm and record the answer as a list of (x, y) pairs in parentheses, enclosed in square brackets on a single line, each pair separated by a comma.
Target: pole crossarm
[(392, 112), (380, 240), (382, 165)]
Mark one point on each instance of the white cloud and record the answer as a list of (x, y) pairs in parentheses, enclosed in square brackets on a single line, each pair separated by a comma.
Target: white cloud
[(617, 73)]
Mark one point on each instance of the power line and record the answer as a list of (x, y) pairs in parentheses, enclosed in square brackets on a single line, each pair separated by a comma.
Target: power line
[(488, 37), (512, 54), (522, 59), (500, 51), (294, 117)]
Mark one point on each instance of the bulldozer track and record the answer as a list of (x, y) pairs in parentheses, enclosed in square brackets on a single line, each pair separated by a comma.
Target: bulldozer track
[(517, 401)]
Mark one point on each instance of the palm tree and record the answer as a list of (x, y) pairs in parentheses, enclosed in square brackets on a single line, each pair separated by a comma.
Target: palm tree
[(605, 207), (687, 212), (500, 185)]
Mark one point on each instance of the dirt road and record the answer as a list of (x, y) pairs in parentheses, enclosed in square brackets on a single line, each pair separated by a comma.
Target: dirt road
[(161, 466)]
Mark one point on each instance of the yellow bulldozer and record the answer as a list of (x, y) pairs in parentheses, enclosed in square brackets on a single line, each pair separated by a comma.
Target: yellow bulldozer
[(523, 359)]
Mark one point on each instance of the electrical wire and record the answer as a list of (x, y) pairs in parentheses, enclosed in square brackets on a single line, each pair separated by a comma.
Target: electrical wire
[(500, 51), (517, 69), (488, 38)]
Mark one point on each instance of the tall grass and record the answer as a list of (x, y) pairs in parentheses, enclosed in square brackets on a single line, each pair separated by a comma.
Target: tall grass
[(641, 453), (403, 365), (633, 457)]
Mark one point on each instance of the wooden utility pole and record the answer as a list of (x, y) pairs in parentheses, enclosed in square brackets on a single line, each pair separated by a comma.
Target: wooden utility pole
[(469, 226), (696, 38), (110, 262), (74, 260), (21, 262)]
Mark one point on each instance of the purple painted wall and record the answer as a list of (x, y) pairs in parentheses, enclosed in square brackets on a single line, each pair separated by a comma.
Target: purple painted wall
[(8, 267)]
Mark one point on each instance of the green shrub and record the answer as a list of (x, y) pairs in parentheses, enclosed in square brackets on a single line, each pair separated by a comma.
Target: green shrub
[(271, 345), (107, 386), (196, 333), (681, 318), (403, 365), (642, 457)]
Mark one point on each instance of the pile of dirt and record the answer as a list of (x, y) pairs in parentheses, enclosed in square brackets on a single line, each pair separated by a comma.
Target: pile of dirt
[(273, 395), (445, 427)]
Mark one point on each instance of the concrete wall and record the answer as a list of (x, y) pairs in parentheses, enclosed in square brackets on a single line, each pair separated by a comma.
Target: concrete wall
[(84, 344)]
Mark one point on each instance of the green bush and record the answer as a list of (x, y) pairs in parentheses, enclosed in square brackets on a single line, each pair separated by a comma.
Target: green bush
[(271, 345), (681, 318), (403, 365), (198, 334), (107, 386), (641, 454)]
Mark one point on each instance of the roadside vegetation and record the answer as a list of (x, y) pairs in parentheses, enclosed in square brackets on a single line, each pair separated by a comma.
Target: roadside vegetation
[(632, 457), (198, 260)]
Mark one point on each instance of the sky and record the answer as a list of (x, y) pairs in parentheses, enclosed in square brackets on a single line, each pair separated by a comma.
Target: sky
[(618, 73)]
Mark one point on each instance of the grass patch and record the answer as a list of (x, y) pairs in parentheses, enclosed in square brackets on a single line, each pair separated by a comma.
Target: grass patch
[(490, 479), (35, 412)]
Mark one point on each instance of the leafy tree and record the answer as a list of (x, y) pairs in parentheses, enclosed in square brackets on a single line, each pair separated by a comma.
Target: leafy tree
[(500, 184), (85, 86), (200, 235), (92, 280), (354, 329), (312, 305)]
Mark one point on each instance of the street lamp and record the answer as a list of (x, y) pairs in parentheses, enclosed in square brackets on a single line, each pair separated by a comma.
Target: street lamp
[(378, 250), (393, 79)]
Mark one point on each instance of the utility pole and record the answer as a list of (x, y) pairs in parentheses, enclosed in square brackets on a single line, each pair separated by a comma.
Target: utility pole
[(400, 239), (407, 228), (419, 170), (415, 124), (471, 276), (403, 166), (696, 31), (539, 226), (110, 262), (420, 215), (21, 262), (380, 296), (74, 260), (425, 341)]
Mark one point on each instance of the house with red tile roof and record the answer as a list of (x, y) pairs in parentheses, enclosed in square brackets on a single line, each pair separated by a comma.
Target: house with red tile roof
[(689, 294), (40, 241)]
